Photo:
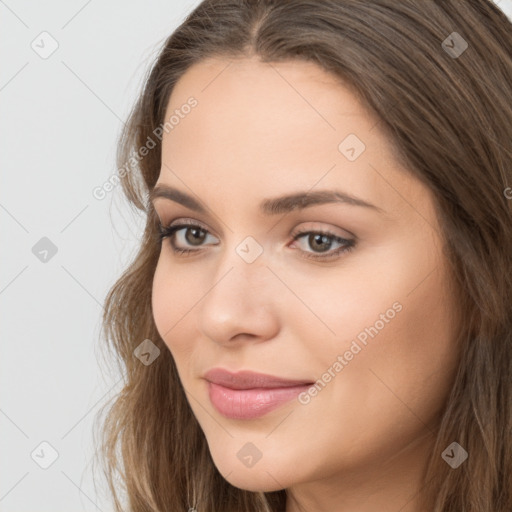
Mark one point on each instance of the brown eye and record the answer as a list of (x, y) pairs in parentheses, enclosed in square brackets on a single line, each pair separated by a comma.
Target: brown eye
[(197, 235), (318, 245), (184, 236), (319, 241)]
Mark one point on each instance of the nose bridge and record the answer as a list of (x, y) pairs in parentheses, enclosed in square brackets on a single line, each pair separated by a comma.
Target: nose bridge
[(240, 273), (246, 259), (241, 294)]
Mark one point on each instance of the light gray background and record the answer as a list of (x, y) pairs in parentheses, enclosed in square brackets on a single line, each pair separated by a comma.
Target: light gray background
[(59, 122)]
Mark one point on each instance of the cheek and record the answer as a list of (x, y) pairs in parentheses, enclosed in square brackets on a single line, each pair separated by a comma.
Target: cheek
[(388, 387), (402, 362), (172, 299)]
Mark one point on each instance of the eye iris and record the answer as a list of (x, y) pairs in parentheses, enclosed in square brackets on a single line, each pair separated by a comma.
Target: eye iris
[(198, 235), (323, 240)]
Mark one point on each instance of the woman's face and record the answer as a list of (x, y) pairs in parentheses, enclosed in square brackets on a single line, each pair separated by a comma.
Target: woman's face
[(361, 318)]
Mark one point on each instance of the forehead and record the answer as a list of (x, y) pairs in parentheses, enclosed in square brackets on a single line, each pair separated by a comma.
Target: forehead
[(251, 91), (280, 126)]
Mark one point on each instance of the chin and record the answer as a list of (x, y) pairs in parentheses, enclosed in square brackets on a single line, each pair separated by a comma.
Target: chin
[(263, 476)]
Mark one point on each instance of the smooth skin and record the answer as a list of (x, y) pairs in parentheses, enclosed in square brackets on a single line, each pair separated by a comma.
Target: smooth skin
[(261, 131)]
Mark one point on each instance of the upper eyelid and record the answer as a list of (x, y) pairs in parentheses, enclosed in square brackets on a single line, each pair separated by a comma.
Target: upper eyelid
[(187, 222), (186, 219)]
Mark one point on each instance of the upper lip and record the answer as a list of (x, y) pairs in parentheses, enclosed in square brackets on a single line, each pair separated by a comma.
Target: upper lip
[(248, 380)]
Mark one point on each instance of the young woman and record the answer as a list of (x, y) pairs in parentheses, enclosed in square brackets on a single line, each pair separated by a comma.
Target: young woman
[(320, 314)]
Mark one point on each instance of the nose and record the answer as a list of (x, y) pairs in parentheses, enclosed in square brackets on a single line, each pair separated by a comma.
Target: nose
[(240, 303)]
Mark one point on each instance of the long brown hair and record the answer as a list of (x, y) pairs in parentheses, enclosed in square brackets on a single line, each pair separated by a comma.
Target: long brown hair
[(447, 110)]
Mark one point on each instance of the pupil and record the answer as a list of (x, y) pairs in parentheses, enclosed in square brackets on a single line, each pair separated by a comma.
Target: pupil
[(196, 237), (322, 240)]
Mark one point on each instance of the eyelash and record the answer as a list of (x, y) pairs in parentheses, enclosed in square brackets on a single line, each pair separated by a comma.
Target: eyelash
[(169, 231)]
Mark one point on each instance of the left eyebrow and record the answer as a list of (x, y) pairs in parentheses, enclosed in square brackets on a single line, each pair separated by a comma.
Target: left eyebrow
[(274, 206)]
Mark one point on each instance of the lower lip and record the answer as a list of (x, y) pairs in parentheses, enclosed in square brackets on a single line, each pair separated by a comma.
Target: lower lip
[(246, 404)]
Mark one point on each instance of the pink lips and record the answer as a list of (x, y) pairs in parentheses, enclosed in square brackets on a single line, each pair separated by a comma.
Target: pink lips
[(248, 395)]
